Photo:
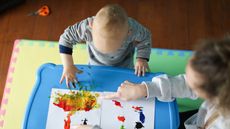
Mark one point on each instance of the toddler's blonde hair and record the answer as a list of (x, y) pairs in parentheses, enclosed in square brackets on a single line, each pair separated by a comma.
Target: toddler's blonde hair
[(112, 18)]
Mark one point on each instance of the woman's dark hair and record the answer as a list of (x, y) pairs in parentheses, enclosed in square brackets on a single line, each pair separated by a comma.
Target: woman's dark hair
[(212, 60)]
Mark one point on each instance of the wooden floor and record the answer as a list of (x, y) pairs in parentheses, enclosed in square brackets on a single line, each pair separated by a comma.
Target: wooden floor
[(175, 24)]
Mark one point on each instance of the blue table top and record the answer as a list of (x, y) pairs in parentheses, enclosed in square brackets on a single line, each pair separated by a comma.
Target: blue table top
[(102, 78)]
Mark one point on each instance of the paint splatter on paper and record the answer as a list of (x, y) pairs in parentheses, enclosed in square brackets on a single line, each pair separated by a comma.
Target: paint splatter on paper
[(75, 101), (117, 103), (87, 108), (121, 118), (118, 114)]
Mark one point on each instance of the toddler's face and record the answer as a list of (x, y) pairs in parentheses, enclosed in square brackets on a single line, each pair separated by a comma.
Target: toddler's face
[(108, 41), (195, 80)]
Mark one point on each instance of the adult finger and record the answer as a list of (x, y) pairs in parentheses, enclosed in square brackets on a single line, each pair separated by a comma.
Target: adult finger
[(128, 83), (111, 96)]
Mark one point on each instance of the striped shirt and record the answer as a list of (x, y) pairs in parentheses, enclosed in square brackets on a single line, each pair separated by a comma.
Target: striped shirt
[(140, 38)]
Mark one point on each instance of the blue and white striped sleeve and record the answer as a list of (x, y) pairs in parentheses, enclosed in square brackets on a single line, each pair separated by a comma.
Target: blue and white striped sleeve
[(76, 33), (142, 37)]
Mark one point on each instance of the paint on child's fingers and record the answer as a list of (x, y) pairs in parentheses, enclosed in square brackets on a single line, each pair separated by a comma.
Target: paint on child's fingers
[(74, 86), (75, 80), (79, 71)]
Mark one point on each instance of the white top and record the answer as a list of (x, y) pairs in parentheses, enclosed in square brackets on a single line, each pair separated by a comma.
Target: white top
[(166, 88)]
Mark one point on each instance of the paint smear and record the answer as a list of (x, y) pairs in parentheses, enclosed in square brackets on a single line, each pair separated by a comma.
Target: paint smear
[(67, 122), (75, 101), (121, 118), (137, 108), (117, 103), (142, 117)]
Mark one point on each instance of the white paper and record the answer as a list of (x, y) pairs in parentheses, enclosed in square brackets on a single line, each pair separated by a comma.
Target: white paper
[(107, 115), (110, 112)]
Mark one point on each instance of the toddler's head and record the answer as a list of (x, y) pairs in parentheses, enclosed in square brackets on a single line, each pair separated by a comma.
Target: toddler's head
[(110, 28), (208, 72)]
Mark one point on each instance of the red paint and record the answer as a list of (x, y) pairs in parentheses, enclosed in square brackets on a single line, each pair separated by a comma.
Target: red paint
[(121, 118), (87, 109), (137, 108), (67, 122), (117, 103), (62, 104)]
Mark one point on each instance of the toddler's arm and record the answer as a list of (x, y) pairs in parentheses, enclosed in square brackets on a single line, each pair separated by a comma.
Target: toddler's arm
[(69, 70), (143, 42), (72, 35), (76, 33), (142, 37)]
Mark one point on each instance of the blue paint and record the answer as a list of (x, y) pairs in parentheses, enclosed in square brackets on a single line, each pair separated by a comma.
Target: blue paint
[(142, 117)]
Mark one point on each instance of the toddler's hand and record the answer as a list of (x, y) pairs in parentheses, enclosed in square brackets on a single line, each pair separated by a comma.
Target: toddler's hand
[(141, 67), (69, 75), (81, 127), (128, 91)]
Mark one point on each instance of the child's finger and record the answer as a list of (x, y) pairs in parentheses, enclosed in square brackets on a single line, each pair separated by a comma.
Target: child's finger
[(67, 82), (61, 80), (135, 70), (139, 71), (143, 71), (74, 86)]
